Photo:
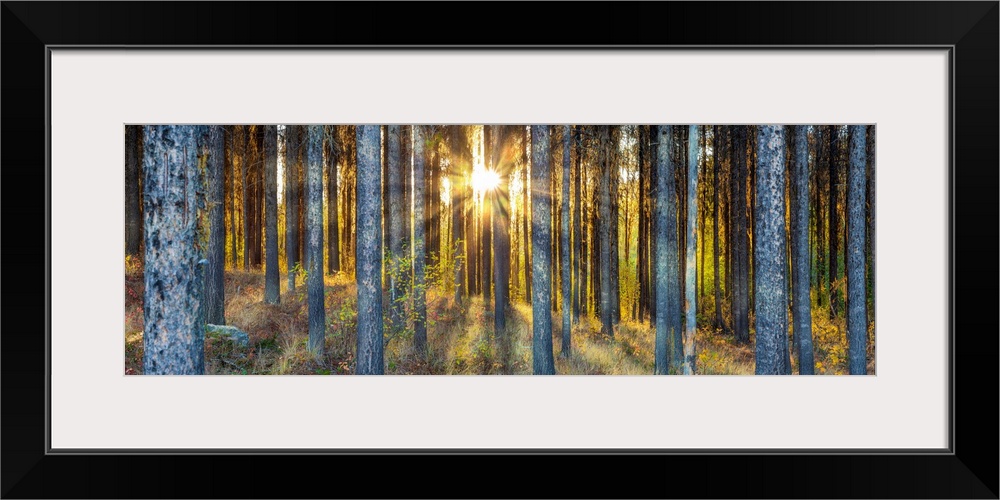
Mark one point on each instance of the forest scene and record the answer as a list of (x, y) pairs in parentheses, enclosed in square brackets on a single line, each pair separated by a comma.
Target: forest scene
[(499, 249)]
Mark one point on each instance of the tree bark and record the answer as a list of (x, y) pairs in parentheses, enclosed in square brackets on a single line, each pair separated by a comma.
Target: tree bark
[(604, 214), (857, 304), (771, 305), (419, 248), (501, 235), (834, 179), (272, 275), (716, 160), (543, 362), (691, 306), (740, 243), (292, 147), (215, 296), (133, 201), (396, 227), (369, 253), (524, 210), (314, 240), (666, 251), (579, 265), (173, 189), (333, 149), (801, 303), (567, 292)]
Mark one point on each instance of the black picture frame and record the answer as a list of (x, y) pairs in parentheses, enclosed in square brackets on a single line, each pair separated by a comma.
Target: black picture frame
[(968, 30)]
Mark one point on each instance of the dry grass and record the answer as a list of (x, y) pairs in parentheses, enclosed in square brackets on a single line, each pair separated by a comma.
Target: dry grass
[(461, 340)]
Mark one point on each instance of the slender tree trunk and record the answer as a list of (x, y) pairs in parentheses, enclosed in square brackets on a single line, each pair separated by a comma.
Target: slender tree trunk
[(771, 306), (173, 189), (642, 265), (740, 244), (272, 275), (857, 305), (292, 147), (666, 250), (578, 264), (215, 296), (244, 177), (419, 248), (801, 303), (231, 170), (678, 231), (654, 207), (716, 160), (524, 210), (406, 162), (690, 329), (486, 241), (614, 258), (821, 255), (567, 292), (458, 230), (543, 362), (471, 230), (395, 223), (834, 221), (333, 149), (133, 215), (501, 237), (604, 213), (314, 239), (369, 253), (701, 218)]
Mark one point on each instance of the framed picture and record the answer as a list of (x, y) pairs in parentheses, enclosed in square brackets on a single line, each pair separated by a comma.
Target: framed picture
[(916, 81)]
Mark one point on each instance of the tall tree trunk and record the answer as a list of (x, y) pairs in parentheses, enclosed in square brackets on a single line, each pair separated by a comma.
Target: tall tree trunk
[(834, 222), (821, 267), (801, 303), (458, 242), (486, 242), (272, 275), (257, 257), (771, 306), (419, 248), (501, 236), (406, 162), (654, 207), (604, 213), (133, 158), (245, 178), (395, 222), (701, 217), (173, 188), (471, 230), (215, 295), (524, 210), (691, 308), (369, 253), (614, 258), (870, 226), (716, 160), (740, 243), (857, 305), (642, 267), (229, 132), (678, 220), (350, 194), (567, 292), (666, 250), (314, 240), (578, 265), (543, 362), (333, 149), (292, 147)]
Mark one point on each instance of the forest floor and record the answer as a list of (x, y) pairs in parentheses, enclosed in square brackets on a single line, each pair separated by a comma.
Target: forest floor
[(460, 338)]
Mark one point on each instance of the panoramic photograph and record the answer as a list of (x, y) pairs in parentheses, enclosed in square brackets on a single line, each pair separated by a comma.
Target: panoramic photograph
[(499, 249)]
